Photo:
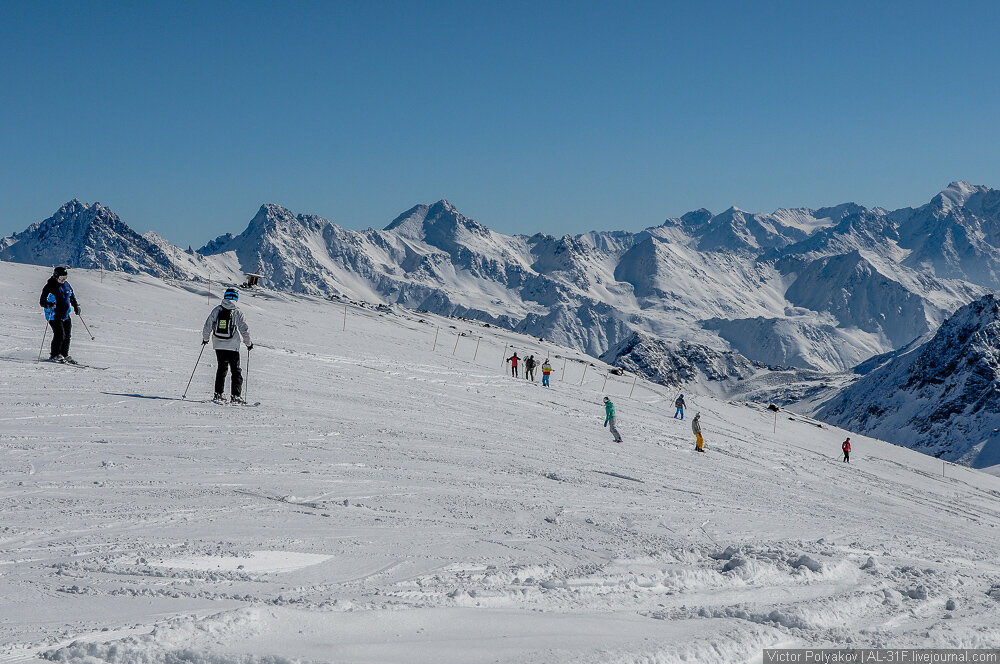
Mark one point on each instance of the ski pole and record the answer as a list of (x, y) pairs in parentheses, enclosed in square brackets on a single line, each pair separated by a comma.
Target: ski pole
[(184, 396), (44, 332), (87, 327), (246, 381)]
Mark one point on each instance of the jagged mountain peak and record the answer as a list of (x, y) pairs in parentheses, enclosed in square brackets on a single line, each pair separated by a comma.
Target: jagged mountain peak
[(89, 236), (274, 226), (76, 221), (440, 224), (445, 212), (697, 217), (274, 210), (957, 194), (732, 211), (72, 207), (960, 199), (269, 213), (443, 206), (76, 206), (272, 219), (89, 212)]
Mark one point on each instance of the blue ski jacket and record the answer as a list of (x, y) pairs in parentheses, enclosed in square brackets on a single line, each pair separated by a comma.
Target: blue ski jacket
[(65, 300)]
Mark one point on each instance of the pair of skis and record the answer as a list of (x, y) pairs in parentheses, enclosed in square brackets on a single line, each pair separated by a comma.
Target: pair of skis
[(221, 402), (74, 363)]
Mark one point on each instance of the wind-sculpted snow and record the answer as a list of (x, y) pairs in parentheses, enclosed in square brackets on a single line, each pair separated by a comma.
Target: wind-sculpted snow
[(398, 497)]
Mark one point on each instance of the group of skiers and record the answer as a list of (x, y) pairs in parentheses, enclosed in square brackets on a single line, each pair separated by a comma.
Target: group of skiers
[(225, 326), (529, 368), (610, 421)]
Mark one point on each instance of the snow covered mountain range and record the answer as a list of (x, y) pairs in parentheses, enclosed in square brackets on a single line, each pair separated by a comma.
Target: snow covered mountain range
[(807, 290)]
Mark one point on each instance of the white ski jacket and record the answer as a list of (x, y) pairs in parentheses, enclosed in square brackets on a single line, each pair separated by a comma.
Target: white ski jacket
[(240, 329)]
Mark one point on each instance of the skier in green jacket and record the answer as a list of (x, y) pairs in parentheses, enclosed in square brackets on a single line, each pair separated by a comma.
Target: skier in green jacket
[(609, 420)]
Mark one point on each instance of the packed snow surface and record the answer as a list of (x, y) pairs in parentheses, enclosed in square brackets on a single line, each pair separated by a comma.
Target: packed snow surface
[(398, 497)]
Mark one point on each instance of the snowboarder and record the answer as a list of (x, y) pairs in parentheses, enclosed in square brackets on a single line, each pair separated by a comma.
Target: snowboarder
[(846, 446), (226, 326), (679, 404), (57, 298), (699, 442), (513, 359), (546, 370), (609, 419), (529, 368)]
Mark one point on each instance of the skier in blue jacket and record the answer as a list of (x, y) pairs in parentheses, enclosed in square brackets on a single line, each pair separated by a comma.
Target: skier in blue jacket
[(57, 299)]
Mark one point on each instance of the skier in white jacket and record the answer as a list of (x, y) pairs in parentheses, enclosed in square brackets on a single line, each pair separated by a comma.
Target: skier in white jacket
[(226, 327)]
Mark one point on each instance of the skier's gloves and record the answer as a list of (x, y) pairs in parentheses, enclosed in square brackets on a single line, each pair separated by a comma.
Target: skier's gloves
[(605, 423), (250, 347), (204, 342), (76, 310)]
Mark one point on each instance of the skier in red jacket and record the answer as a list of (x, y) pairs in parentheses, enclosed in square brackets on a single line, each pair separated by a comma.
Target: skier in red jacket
[(847, 450), (513, 364)]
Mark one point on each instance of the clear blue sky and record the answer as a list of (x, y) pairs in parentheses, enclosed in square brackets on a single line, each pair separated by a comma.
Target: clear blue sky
[(558, 117)]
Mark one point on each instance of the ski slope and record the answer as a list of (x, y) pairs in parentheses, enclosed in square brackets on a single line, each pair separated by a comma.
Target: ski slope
[(394, 499)]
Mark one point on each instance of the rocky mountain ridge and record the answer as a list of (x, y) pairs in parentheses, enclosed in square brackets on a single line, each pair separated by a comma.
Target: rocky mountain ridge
[(941, 397), (818, 289)]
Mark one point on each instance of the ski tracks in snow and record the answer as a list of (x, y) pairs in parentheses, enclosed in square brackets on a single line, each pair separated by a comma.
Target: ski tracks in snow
[(396, 500)]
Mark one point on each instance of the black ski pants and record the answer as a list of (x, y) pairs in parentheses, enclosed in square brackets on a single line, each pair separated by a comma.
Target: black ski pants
[(62, 330), (847, 456), (228, 359)]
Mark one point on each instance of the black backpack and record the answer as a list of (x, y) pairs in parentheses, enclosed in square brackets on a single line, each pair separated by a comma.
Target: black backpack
[(224, 324)]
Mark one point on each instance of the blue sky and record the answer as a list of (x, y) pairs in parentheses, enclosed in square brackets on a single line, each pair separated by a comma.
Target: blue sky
[(559, 117)]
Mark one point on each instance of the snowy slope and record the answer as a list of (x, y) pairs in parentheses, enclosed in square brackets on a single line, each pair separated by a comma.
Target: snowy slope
[(397, 497)]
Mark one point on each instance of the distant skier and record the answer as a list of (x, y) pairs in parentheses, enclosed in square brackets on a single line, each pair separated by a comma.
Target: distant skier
[(529, 368), (699, 442), (57, 299), (226, 326), (846, 446), (546, 370), (609, 419), (679, 404), (513, 359)]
